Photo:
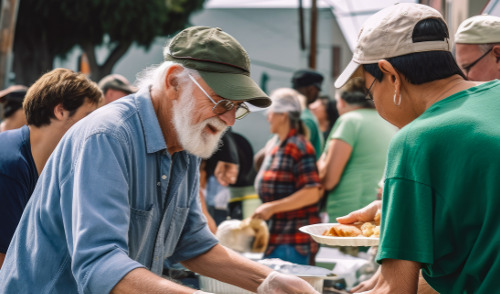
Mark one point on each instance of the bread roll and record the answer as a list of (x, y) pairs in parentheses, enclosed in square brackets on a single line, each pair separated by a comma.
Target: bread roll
[(341, 230)]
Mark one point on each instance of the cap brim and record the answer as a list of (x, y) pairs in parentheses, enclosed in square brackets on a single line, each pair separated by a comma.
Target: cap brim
[(351, 68), (125, 88), (16, 89), (236, 87)]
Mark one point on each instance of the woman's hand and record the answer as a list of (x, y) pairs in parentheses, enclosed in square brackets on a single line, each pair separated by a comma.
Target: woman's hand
[(264, 211)]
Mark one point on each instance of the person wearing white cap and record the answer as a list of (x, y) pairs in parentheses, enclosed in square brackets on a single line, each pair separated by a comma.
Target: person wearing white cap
[(477, 47), (288, 182), (440, 204)]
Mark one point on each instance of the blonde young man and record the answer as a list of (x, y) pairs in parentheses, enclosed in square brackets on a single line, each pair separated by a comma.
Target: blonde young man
[(55, 102)]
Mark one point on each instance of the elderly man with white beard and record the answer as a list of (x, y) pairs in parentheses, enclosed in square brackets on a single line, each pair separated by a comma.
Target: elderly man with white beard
[(119, 195)]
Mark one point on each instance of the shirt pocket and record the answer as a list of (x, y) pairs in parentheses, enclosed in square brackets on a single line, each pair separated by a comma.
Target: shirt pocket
[(141, 235), (175, 230)]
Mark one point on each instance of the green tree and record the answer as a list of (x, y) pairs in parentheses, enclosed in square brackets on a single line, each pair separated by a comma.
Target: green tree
[(51, 28)]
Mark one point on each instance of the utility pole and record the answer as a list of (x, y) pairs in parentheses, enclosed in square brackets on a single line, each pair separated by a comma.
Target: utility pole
[(8, 16), (314, 25), (301, 26)]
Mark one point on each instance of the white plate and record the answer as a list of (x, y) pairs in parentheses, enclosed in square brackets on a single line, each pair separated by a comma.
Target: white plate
[(317, 230)]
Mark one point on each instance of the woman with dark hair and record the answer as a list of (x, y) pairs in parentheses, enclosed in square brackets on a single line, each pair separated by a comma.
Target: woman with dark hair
[(288, 182), (325, 110), (440, 202), (353, 161)]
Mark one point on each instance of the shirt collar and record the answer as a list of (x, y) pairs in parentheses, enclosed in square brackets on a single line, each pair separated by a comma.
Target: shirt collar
[(152, 131)]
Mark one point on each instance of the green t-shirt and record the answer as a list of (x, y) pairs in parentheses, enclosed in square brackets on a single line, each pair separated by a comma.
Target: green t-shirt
[(441, 201), (369, 136), (315, 135)]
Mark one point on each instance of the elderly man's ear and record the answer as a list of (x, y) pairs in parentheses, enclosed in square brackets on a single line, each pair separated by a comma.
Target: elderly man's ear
[(172, 81)]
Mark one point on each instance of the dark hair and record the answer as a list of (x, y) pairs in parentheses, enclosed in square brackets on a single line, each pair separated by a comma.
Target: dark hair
[(354, 93), (59, 86), (332, 112), (297, 123), (422, 67)]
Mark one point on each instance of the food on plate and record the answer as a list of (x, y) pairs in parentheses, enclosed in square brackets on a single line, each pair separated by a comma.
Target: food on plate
[(357, 229), (340, 230), (367, 229)]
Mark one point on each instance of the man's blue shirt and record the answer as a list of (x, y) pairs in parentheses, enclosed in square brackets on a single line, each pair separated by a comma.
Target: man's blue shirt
[(109, 200), (18, 177)]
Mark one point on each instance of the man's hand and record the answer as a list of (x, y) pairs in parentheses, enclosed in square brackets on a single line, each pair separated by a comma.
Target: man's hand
[(226, 173), (368, 284), (278, 283), (364, 214)]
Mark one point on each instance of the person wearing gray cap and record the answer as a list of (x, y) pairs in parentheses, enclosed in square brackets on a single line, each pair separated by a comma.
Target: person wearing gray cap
[(12, 104), (115, 86), (440, 204), (477, 47), (119, 196)]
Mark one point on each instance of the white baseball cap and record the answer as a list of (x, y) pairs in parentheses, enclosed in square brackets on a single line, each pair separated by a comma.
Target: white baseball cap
[(479, 29), (285, 100), (388, 33)]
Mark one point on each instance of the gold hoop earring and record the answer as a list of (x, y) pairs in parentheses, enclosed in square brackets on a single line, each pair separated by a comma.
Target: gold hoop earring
[(399, 100)]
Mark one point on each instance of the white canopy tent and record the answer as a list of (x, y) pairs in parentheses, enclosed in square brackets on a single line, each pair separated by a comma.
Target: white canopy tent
[(350, 14), (493, 8)]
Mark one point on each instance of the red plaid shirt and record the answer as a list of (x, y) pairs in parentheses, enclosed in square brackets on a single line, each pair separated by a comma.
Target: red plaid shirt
[(289, 167)]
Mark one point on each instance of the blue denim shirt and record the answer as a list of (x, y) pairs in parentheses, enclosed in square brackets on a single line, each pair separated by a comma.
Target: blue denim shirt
[(109, 200)]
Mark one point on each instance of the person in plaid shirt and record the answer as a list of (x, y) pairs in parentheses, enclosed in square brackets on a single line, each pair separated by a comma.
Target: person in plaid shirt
[(288, 182)]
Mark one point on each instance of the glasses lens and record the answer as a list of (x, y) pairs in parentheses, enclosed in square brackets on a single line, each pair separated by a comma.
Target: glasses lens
[(242, 111), (223, 106)]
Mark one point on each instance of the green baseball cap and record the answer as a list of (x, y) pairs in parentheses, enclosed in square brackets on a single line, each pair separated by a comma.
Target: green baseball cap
[(220, 60)]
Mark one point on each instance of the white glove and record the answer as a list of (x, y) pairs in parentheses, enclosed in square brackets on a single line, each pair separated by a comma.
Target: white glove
[(278, 283), (201, 292)]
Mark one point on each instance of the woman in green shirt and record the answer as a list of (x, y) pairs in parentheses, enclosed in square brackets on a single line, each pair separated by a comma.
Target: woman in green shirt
[(353, 161)]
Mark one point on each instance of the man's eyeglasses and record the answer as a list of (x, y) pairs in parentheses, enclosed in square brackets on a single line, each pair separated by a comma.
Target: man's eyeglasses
[(224, 105), (368, 93), (468, 67)]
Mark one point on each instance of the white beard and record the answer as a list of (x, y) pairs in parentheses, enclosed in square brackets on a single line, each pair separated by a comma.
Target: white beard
[(192, 137)]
